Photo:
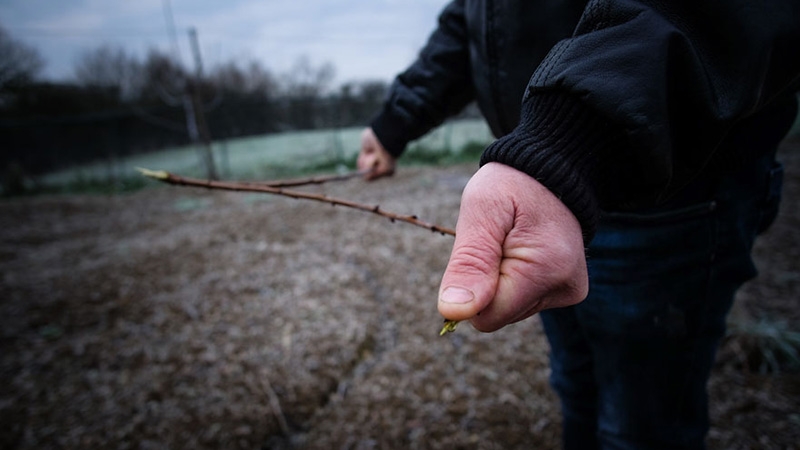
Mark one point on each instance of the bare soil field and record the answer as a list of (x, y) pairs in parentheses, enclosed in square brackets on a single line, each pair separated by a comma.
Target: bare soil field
[(183, 318)]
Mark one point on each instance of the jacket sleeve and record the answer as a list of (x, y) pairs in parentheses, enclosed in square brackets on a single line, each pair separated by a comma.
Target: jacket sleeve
[(437, 85), (635, 104)]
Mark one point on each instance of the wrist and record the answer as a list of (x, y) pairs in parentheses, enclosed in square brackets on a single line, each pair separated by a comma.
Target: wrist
[(558, 143), (390, 132)]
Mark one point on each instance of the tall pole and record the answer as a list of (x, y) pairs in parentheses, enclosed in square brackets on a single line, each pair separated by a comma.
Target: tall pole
[(193, 93), (196, 125), (198, 60), (169, 19)]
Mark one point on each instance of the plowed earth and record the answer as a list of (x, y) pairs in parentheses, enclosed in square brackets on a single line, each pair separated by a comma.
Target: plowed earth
[(184, 318)]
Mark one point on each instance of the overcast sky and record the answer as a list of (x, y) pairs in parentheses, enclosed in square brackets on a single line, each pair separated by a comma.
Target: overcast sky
[(364, 39)]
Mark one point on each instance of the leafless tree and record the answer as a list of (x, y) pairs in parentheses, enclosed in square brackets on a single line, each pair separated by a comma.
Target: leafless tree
[(19, 63), (306, 80), (111, 67), (250, 79), (162, 75)]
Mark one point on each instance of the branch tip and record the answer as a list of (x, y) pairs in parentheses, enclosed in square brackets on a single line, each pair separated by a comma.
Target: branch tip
[(448, 327), (156, 174)]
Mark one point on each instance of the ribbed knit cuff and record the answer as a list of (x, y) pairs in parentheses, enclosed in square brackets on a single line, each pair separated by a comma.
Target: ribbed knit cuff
[(559, 142)]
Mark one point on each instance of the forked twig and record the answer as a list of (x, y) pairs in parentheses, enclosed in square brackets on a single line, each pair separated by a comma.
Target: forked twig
[(170, 178)]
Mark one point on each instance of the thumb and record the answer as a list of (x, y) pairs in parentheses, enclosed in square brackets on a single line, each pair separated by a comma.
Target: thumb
[(471, 278)]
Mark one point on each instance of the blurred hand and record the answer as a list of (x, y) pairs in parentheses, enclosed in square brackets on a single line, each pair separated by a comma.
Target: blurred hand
[(518, 250), (374, 156)]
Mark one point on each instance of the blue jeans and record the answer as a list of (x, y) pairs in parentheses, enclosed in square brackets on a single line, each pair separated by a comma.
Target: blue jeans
[(630, 363)]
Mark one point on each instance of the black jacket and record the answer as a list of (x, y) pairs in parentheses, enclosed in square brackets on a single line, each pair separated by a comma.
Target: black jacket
[(618, 104)]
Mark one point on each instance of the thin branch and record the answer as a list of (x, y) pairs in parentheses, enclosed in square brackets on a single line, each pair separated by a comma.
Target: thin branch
[(308, 181), (170, 178)]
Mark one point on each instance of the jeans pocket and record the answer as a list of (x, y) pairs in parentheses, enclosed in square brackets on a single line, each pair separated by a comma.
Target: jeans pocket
[(633, 247)]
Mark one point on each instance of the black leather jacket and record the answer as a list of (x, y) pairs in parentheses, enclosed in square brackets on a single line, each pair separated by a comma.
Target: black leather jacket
[(618, 104)]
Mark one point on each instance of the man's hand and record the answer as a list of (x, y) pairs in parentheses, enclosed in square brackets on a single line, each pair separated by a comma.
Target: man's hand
[(374, 157), (518, 250)]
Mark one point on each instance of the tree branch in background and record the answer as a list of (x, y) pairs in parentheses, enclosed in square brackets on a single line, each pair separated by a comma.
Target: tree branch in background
[(170, 178), (307, 181)]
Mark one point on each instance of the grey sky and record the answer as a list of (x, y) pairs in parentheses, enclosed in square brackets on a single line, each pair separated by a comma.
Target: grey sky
[(364, 39)]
